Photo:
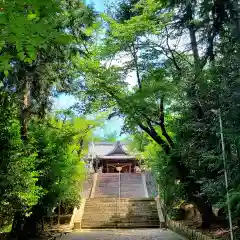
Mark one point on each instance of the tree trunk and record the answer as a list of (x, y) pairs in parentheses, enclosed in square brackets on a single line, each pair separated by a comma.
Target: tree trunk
[(192, 33), (24, 227), (193, 191), (135, 58), (17, 226), (202, 203), (25, 104), (30, 228), (205, 209)]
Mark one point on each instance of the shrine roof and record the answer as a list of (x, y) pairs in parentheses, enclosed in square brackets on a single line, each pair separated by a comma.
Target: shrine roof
[(117, 157), (110, 150), (117, 150)]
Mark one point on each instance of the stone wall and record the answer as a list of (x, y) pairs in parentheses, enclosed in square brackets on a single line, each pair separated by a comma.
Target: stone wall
[(151, 184), (185, 231), (87, 186)]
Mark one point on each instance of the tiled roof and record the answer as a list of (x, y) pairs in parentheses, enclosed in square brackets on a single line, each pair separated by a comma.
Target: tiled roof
[(107, 148), (118, 150)]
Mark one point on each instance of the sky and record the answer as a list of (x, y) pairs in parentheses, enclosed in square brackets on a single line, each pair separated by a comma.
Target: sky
[(64, 101), (98, 4)]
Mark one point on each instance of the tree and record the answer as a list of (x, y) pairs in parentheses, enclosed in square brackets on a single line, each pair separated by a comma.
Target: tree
[(59, 147), (50, 69), (39, 43), (169, 80), (18, 175)]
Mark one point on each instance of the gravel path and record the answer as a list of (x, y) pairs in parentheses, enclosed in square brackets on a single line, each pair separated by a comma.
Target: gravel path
[(136, 234)]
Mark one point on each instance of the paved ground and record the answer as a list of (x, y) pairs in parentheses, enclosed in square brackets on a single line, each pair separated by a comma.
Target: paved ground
[(143, 234)]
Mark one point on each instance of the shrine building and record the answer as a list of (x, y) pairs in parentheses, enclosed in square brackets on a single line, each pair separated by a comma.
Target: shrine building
[(108, 157)]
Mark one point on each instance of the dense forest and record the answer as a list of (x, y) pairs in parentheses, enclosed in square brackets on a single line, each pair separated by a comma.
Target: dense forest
[(185, 59)]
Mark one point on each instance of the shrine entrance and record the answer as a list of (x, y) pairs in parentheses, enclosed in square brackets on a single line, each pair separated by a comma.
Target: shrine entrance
[(126, 168)]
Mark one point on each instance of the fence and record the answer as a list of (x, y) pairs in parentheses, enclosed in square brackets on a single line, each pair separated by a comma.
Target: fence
[(184, 230)]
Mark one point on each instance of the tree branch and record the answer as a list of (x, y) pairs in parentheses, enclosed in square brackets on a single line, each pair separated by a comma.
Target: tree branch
[(171, 52), (192, 33), (134, 54), (162, 124), (154, 135)]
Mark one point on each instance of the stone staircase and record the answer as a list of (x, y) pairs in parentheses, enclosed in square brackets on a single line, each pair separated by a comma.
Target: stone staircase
[(131, 185), (119, 213), (107, 185)]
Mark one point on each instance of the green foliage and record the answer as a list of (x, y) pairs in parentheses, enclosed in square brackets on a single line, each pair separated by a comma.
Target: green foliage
[(18, 173), (161, 166), (185, 56), (58, 148), (49, 170), (26, 27), (41, 163), (235, 203)]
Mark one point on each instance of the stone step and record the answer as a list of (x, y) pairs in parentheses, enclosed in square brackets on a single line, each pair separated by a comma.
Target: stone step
[(116, 211), (117, 219), (123, 208), (123, 203), (106, 199), (114, 221), (131, 185), (126, 213), (103, 223), (121, 218), (119, 210), (116, 203), (108, 215), (134, 214), (123, 211), (121, 225)]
